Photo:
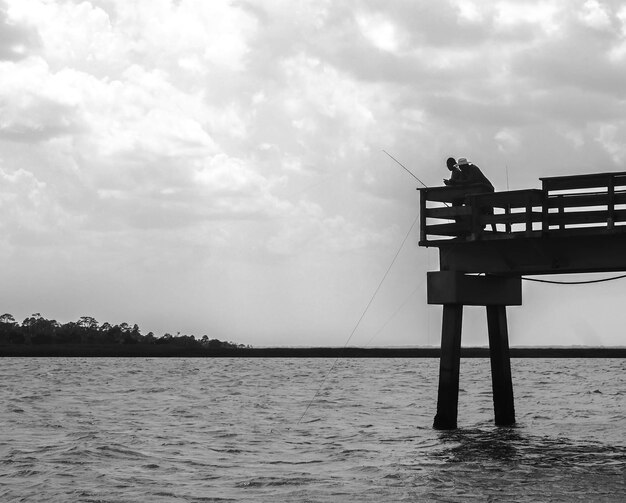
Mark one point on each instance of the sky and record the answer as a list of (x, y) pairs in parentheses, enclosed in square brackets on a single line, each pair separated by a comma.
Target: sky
[(217, 168)]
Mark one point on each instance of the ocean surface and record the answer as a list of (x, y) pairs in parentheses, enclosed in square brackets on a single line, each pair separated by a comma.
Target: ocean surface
[(201, 430)]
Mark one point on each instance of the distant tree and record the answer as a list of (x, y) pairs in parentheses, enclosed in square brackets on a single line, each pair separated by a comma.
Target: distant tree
[(32, 319), (115, 334), (10, 332), (39, 330), (88, 322), (129, 339), (165, 339), (185, 340), (8, 319)]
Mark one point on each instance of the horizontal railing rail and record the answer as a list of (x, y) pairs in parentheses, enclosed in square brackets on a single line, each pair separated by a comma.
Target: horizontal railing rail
[(591, 200)]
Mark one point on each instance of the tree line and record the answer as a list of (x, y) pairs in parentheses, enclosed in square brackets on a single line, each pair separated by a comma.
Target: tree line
[(37, 330)]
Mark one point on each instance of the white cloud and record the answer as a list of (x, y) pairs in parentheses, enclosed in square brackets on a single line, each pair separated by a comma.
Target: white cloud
[(612, 137), (215, 31), (508, 141), (36, 104), (17, 39), (33, 219), (595, 15), (542, 14), (76, 34), (379, 31), (307, 230), (469, 11), (575, 137)]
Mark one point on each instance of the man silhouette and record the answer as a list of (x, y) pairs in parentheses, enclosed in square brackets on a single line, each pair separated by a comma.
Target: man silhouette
[(470, 174), (466, 174), (455, 172)]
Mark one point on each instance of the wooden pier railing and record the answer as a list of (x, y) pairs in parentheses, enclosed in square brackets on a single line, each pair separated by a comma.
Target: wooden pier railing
[(565, 205)]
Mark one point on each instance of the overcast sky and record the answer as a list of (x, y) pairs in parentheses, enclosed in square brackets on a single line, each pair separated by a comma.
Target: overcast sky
[(216, 167)]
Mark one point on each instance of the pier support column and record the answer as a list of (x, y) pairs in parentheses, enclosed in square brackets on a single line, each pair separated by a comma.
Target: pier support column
[(449, 364), (502, 384), (453, 290)]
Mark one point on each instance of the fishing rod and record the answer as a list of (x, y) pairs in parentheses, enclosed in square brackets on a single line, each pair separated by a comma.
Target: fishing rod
[(409, 172), (406, 169)]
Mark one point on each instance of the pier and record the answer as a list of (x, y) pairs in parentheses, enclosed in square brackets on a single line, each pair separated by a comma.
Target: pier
[(488, 240)]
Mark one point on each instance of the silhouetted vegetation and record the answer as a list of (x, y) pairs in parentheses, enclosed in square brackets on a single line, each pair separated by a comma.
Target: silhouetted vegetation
[(86, 332)]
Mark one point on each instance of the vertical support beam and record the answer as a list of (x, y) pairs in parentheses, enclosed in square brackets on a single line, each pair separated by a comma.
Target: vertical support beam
[(423, 234), (545, 224), (449, 363), (507, 225), (529, 216), (500, 366), (476, 219), (611, 204)]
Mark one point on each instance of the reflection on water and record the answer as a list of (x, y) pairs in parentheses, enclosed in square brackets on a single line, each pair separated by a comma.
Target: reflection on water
[(498, 445), (115, 430), (508, 464), (509, 445)]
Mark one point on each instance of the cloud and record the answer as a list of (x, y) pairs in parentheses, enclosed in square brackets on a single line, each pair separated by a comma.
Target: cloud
[(612, 136), (307, 230), (17, 39), (35, 104), (34, 220)]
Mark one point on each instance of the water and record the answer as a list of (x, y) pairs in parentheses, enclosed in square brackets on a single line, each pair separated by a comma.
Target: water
[(191, 430)]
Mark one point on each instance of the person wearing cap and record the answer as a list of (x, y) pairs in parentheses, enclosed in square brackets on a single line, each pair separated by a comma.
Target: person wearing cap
[(470, 174)]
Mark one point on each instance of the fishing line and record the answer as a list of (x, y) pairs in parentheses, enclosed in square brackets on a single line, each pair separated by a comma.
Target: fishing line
[(420, 284), (359, 321), (395, 313)]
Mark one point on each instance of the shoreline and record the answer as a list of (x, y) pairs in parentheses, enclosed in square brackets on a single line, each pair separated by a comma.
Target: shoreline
[(167, 351)]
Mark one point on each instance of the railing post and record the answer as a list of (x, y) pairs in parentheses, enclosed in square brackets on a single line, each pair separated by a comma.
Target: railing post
[(529, 215), (476, 224), (507, 213), (545, 226), (423, 197), (610, 223), (561, 209)]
